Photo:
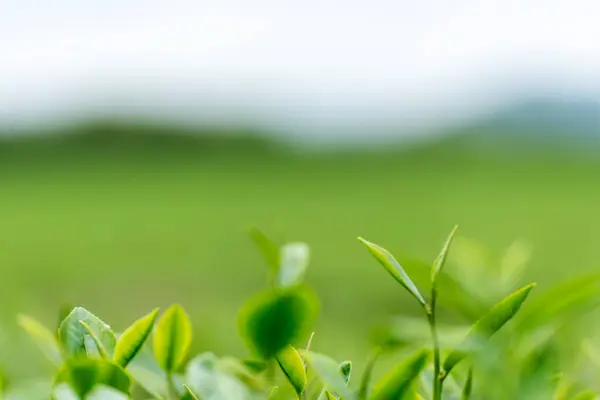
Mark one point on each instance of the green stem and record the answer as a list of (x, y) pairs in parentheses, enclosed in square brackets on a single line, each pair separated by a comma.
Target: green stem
[(438, 381), (171, 384)]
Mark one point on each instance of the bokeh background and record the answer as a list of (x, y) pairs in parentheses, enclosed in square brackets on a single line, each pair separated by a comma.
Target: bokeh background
[(140, 140)]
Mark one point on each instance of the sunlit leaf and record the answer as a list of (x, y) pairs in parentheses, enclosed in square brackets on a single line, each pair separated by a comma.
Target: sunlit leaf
[(328, 371), (399, 381), (270, 321), (172, 338), (439, 262), (134, 337), (329, 396), (393, 267), (42, 337), (487, 325), (292, 366), (294, 259), (72, 333)]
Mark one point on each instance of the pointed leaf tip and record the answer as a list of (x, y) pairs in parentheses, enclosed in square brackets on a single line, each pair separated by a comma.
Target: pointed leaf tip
[(393, 267), (439, 262), (134, 337)]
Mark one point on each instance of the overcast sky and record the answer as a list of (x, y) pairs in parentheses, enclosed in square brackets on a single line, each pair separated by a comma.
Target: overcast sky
[(291, 65)]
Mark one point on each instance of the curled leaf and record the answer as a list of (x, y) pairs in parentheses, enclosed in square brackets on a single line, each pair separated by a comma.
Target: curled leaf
[(439, 262), (134, 337), (72, 333), (293, 367), (388, 261)]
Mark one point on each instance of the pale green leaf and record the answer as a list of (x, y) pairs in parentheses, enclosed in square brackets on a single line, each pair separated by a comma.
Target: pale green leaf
[(134, 337), (72, 333), (84, 374), (293, 367), (400, 380), (192, 395), (294, 259), (328, 371), (172, 338), (388, 261), (42, 337), (268, 249), (487, 325), (97, 343)]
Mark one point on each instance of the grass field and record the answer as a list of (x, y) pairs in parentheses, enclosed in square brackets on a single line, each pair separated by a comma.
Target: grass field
[(101, 227)]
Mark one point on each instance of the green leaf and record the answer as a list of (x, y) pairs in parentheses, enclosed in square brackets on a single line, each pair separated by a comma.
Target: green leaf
[(269, 321), (134, 337), (42, 337), (399, 381), (328, 371), (98, 344), (346, 370), (293, 367), (487, 325), (268, 249), (468, 387), (294, 259), (72, 334), (329, 396), (394, 268), (585, 395), (172, 338), (84, 374), (441, 258), (192, 395)]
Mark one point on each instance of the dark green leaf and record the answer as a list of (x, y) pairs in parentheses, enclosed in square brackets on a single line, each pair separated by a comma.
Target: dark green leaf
[(172, 338), (399, 381), (346, 370), (83, 374), (292, 366), (42, 336), (388, 261), (270, 321), (72, 334), (134, 337), (441, 258), (487, 325)]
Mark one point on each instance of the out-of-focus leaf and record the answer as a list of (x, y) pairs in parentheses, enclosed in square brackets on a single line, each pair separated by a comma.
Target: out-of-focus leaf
[(146, 372), (328, 371), (42, 337), (487, 325), (31, 389), (134, 337), (439, 262), (586, 395), (97, 343), (256, 365), (346, 370), (270, 321), (329, 396), (172, 338), (294, 259), (388, 261), (292, 366), (468, 387), (399, 381), (365, 381), (84, 374), (268, 249), (102, 392), (72, 333), (64, 392)]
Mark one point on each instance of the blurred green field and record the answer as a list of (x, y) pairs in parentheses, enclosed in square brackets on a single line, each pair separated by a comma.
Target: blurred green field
[(102, 225)]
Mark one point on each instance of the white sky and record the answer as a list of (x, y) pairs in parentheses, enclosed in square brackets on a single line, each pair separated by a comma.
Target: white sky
[(291, 65)]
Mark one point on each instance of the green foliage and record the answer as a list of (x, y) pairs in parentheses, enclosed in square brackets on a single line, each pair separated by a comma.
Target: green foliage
[(93, 365)]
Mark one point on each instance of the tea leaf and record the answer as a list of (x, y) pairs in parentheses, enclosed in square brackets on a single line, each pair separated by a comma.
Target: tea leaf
[(270, 321), (292, 366), (42, 337), (134, 337), (97, 342), (487, 325), (172, 338), (71, 333), (84, 374), (328, 371), (439, 262), (394, 268), (268, 249), (329, 396), (468, 388), (294, 259), (192, 395), (399, 381)]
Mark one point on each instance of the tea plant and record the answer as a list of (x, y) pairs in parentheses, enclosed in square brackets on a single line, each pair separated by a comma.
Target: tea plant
[(94, 362)]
